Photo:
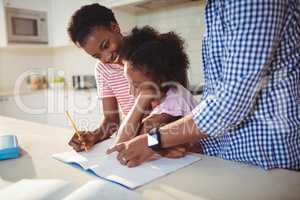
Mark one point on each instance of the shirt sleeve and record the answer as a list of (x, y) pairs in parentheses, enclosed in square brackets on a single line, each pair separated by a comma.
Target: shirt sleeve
[(172, 106), (103, 88), (252, 34)]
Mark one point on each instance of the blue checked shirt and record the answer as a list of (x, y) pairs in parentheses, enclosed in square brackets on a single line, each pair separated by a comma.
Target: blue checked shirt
[(251, 103)]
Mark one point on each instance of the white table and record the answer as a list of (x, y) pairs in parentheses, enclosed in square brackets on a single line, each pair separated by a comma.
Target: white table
[(209, 178)]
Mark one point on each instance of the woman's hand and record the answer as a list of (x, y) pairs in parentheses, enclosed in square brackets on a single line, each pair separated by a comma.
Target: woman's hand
[(133, 152), (87, 140)]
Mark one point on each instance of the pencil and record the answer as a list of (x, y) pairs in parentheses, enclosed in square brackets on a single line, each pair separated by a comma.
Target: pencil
[(74, 127)]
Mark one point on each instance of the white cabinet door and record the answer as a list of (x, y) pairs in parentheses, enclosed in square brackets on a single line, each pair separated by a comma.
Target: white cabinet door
[(60, 14), (49, 106), (3, 103), (118, 3), (28, 4), (86, 109), (3, 39), (27, 107), (57, 100), (40, 5)]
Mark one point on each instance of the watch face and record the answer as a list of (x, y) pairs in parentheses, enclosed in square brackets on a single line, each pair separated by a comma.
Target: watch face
[(152, 140)]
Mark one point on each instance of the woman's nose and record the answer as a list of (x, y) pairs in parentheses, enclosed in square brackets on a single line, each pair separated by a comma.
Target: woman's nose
[(105, 56)]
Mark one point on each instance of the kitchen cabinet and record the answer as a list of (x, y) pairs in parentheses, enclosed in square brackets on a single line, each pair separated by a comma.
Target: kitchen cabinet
[(59, 13), (24, 4), (118, 3), (26, 107), (86, 109), (140, 6), (28, 4), (49, 106), (3, 40), (84, 106)]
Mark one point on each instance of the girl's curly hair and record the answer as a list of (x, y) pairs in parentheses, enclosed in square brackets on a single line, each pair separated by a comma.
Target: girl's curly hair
[(161, 55)]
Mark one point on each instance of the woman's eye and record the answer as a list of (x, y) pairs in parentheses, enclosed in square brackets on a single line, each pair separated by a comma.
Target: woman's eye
[(104, 44)]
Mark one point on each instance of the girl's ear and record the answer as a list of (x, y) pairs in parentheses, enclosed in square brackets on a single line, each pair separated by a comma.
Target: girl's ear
[(115, 27)]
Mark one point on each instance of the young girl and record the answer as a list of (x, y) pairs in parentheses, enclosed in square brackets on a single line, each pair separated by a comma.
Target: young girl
[(156, 67)]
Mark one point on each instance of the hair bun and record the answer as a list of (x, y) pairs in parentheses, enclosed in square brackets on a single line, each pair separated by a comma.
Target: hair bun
[(171, 40), (143, 35)]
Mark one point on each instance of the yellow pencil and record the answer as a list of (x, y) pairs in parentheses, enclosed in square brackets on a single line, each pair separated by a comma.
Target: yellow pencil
[(74, 127)]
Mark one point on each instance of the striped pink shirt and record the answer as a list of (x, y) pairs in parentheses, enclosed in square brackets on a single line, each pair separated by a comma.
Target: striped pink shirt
[(111, 82)]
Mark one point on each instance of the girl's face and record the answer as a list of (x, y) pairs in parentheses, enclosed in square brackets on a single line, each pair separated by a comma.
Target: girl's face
[(138, 80), (104, 44)]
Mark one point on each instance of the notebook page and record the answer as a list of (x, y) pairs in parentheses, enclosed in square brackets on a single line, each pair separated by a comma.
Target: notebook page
[(103, 190), (35, 189), (108, 167), (85, 159)]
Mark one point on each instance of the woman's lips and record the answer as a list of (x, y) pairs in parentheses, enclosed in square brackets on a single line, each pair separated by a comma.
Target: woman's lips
[(115, 58)]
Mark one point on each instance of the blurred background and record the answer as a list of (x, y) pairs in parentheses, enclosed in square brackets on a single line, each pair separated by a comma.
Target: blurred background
[(42, 73)]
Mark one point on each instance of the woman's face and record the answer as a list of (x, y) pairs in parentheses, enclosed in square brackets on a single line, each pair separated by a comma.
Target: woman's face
[(104, 44), (138, 80)]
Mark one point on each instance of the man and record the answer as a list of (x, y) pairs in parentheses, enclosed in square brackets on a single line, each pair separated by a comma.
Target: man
[(251, 105)]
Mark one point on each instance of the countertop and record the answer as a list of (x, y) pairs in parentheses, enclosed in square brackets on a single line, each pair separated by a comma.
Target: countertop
[(209, 178)]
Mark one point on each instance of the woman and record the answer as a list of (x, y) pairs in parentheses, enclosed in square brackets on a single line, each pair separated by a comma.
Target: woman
[(95, 29)]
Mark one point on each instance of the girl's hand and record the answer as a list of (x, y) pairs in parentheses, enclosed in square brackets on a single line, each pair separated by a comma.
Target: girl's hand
[(174, 152), (133, 152), (132, 123), (181, 150)]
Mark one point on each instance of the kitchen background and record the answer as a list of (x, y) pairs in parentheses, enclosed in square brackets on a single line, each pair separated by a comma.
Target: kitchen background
[(185, 17)]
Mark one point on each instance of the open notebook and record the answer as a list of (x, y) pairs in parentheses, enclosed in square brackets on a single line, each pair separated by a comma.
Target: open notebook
[(108, 167)]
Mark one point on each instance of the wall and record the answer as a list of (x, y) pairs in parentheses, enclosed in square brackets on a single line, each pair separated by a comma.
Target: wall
[(73, 60), (14, 62), (188, 21)]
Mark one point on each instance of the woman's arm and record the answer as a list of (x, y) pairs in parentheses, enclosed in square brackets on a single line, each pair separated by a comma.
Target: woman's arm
[(108, 126)]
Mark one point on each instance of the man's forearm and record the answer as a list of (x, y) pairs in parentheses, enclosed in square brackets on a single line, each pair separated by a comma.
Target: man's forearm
[(180, 132)]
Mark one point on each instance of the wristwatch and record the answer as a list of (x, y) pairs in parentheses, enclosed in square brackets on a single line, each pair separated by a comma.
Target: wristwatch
[(154, 140)]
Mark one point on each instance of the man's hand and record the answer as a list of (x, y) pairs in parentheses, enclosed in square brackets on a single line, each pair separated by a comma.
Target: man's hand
[(87, 139), (136, 151)]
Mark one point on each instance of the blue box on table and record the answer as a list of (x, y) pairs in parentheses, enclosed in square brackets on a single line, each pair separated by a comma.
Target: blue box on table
[(9, 147)]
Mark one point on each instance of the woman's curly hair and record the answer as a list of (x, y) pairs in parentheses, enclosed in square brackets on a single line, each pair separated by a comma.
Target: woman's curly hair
[(88, 17), (161, 55)]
